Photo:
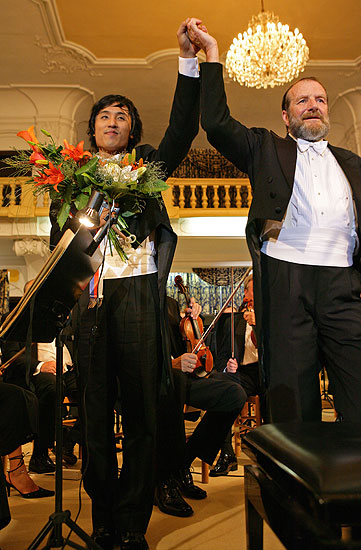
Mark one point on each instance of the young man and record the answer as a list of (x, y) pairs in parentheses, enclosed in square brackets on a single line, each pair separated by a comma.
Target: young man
[(124, 338)]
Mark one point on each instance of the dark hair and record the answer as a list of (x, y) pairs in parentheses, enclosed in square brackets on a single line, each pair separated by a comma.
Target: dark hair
[(120, 101), (285, 99)]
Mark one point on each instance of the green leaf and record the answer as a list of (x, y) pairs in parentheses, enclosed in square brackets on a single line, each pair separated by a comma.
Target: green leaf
[(88, 167), (81, 201), (87, 190), (153, 187), (63, 214), (67, 194), (88, 177), (128, 213)]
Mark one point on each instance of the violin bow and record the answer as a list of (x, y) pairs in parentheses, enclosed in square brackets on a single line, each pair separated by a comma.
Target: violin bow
[(211, 326), (232, 316)]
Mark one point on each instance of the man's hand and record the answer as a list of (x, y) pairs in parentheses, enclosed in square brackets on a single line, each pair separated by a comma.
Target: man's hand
[(186, 47), (203, 40), (188, 362), (232, 365), (48, 366), (249, 316), (195, 309)]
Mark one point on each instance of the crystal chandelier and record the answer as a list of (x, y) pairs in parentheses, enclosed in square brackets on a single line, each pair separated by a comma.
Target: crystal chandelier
[(267, 54)]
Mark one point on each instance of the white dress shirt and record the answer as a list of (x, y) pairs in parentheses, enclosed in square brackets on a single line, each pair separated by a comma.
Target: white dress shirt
[(47, 352), (319, 224), (250, 350)]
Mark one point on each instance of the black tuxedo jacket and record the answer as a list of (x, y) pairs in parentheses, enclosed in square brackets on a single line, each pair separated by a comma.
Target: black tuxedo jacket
[(269, 161), (224, 350)]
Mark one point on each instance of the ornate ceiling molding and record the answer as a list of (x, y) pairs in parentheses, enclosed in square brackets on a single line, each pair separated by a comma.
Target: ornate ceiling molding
[(61, 55)]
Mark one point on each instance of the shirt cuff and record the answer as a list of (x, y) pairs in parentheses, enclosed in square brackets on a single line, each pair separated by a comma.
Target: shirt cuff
[(188, 66), (38, 368)]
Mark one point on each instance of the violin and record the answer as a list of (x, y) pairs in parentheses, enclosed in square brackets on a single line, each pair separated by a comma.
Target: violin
[(192, 332)]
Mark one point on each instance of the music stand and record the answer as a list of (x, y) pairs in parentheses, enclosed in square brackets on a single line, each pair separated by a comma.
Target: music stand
[(40, 316)]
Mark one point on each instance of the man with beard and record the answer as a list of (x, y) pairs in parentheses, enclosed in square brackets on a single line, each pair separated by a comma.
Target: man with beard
[(302, 233)]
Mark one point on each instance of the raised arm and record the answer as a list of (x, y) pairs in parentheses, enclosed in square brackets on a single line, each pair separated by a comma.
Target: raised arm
[(184, 118), (231, 138)]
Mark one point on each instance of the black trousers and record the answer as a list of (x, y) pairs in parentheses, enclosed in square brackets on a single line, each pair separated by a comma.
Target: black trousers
[(311, 318), (221, 398), (247, 376), (125, 346), (44, 388), (44, 384)]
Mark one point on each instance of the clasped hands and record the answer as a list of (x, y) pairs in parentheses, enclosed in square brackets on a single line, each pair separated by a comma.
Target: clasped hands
[(193, 36)]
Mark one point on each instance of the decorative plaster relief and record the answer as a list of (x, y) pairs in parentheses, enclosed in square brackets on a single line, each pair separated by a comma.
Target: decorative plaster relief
[(62, 59), (35, 247)]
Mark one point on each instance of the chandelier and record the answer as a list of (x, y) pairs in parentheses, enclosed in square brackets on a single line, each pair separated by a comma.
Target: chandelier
[(267, 54)]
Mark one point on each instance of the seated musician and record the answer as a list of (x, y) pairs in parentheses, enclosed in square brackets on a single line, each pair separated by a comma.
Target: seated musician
[(42, 384), (18, 425), (220, 397), (242, 368)]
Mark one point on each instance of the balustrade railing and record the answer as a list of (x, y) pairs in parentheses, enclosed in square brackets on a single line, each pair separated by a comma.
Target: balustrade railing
[(208, 197), (184, 198), (17, 199)]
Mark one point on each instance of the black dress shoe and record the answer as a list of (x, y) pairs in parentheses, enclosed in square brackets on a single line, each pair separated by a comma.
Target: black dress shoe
[(133, 541), (186, 486), (170, 501), (104, 537), (41, 464), (69, 458), (225, 463)]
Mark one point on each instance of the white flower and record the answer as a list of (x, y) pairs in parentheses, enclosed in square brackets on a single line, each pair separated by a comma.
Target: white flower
[(113, 170)]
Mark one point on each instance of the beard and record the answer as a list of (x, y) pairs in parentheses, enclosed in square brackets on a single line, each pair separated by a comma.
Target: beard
[(300, 129)]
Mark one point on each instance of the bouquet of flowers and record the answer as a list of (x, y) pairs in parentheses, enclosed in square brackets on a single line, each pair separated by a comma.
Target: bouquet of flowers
[(69, 174)]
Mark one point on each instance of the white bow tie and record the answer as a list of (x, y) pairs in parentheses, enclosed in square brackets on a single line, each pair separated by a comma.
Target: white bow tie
[(318, 146)]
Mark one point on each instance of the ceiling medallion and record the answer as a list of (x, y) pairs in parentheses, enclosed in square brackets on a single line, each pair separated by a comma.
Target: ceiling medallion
[(267, 54)]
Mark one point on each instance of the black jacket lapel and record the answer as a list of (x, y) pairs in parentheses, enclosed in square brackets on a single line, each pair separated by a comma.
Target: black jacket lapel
[(286, 149)]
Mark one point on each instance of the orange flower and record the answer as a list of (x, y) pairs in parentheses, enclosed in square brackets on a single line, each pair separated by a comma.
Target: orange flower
[(50, 176), (137, 165), (75, 153), (35, 157), (29, 135)]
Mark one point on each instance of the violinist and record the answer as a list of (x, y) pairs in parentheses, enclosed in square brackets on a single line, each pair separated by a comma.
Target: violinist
[(240, 367), (220, 397)]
